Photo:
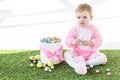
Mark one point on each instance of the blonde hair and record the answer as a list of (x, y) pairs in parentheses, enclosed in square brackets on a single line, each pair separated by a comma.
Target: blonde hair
[(84, 7)]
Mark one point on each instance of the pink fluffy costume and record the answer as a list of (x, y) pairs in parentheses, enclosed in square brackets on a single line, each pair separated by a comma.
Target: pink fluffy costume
[(81, 55)]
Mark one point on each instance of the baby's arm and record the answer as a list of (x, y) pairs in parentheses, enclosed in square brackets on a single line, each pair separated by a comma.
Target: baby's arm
[(96, 38), (71, 38)]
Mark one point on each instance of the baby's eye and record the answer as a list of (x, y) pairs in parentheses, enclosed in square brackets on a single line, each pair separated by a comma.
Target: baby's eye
[(85, 17), (78, 17)]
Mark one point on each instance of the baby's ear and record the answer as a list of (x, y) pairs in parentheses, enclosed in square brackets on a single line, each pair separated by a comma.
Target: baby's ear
[(91, 17)]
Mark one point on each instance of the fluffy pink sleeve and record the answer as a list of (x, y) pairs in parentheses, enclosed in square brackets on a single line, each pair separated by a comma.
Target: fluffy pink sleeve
[(96, 38), (71, 36)]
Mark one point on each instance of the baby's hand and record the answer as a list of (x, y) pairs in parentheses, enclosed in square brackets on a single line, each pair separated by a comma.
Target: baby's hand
[(75, 42), (87, 43)]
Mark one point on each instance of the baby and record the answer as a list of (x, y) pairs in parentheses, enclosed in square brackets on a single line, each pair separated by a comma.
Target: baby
[(84, 40)]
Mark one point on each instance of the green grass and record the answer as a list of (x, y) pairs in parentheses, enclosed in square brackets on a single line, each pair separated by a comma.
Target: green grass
[(14, 65)]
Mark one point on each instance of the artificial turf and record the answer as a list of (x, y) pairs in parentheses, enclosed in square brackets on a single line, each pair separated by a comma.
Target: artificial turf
[(14, 65)]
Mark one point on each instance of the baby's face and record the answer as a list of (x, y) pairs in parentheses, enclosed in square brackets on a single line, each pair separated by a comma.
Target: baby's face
[(83, 18)]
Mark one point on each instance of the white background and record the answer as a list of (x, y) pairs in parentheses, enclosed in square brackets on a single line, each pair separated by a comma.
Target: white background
[(24, 22)]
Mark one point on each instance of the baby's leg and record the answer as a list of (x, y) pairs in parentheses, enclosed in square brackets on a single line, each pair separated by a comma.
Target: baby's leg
[(78, 63), (97, 59), (80, 66), (69, 59)]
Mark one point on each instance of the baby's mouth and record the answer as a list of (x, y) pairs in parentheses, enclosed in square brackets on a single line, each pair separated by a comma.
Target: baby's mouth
[(82, 23)]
